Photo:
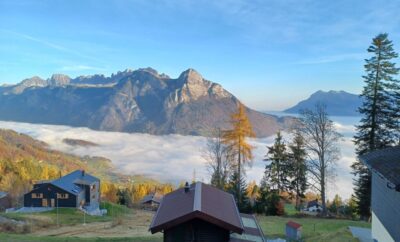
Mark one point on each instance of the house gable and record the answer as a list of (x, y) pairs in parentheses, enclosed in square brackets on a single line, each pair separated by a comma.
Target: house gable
[(48, 195)]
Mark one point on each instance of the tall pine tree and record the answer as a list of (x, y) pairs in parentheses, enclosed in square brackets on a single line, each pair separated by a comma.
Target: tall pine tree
[(380, 110), (297, 157), (277, 171), (240, 196)]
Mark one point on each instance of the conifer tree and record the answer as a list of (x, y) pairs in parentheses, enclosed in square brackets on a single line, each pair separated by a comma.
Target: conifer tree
[(297, 157), (236, 140), (277, 171), (241, 197), (379, 126)]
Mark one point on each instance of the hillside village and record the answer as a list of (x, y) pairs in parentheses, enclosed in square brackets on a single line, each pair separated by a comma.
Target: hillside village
[(257, 153)]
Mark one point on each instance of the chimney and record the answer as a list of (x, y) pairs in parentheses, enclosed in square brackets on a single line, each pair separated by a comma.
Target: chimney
[(187, 187), (83, 172)]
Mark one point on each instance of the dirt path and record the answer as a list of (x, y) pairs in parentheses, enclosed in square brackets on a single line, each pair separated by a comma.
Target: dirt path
[(134, 224)]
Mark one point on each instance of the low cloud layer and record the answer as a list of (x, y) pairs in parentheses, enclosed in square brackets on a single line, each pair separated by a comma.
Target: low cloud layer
[(170, 158)]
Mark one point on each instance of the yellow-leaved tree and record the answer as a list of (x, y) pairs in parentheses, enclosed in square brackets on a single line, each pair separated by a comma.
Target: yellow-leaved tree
[(236, 140)]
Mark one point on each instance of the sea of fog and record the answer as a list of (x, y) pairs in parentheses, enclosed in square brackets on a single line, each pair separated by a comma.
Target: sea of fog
[(175, 158)]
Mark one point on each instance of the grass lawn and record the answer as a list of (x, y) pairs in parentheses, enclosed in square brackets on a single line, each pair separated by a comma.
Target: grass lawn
[(134, 226), (28, 238), (326, 230), (70, 216), (290, 209)]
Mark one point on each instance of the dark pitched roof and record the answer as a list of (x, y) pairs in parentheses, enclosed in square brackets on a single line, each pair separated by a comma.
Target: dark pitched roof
[(68, 182), (201, 201), (155, 197), (386, 162), (3, 194), (313, 203), (293, 224), (252, 230)]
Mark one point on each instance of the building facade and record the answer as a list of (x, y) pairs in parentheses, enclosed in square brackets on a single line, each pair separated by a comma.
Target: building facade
[(77, 189), (385, 193)]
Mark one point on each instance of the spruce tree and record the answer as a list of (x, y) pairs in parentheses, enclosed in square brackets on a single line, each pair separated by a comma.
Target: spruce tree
[(297, 157), (240, 195), (277, 171), (379, 125)]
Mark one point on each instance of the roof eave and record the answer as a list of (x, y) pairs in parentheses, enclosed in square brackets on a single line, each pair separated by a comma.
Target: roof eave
[(365, 162), (196, 215)]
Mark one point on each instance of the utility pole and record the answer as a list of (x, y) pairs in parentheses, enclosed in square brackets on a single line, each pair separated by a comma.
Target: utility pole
[(58, 223), (84, 218)]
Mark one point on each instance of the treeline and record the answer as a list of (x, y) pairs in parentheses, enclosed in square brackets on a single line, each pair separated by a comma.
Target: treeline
[(306, 162), (17, 178), (131, 194)]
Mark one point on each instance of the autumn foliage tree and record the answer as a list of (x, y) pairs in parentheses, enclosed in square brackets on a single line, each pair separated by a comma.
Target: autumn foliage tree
[(236, 140)]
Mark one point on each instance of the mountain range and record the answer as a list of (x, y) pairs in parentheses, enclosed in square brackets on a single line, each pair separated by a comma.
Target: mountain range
[(130, 101), (338, 103)]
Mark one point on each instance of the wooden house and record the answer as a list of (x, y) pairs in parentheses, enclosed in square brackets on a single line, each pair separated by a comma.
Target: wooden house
[(151, 201), (201, 213), (385, 198), (314, 206), (77, 189)]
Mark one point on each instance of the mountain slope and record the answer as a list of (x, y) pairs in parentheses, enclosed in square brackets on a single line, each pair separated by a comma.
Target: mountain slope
[(130, 101), (338, 103)]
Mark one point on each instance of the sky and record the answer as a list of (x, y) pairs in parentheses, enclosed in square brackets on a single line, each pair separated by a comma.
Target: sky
[(270, 54)]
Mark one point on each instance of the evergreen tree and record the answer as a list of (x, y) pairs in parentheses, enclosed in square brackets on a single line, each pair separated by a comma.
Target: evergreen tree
[(237, 144), (277, 171), (297, 157), (269, 202), (380, 110), (240, 196), (261, 202)]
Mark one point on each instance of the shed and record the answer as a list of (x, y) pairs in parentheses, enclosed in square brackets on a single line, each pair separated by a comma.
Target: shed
[(151, 201), (199, 213), (5, 201), (293, 230)]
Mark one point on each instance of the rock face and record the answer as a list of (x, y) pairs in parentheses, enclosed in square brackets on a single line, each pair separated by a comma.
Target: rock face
[(131, 101), (338, 103)]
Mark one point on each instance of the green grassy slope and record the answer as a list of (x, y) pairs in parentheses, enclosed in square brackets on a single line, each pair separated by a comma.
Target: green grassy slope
[(314, 229)]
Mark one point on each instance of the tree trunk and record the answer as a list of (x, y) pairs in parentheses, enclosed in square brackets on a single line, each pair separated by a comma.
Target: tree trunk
[(323, 192)]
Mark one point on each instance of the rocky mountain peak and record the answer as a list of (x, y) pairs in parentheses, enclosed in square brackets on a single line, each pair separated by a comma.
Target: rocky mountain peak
[(191, 75), (33, 81), (59, 80)]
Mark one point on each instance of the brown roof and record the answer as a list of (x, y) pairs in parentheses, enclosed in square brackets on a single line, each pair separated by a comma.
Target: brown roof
[(293, 224), (201, 201), (386, 162)]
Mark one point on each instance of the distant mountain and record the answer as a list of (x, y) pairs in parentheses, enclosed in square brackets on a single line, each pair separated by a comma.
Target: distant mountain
[(130, 101), (338, 103)]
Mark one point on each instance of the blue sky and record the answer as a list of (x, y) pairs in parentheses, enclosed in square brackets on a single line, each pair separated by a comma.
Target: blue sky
[(269, 53)]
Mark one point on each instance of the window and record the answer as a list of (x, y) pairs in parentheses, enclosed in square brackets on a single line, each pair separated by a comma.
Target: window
[(37, 195), (93, 187), (62, 195)]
